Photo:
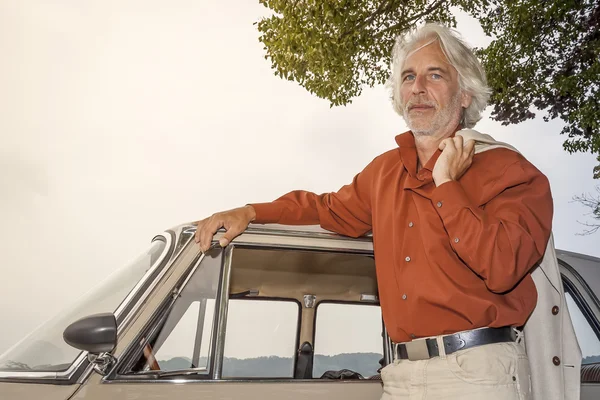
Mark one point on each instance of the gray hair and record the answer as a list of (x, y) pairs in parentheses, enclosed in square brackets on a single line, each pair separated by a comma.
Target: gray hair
[(471, 75)]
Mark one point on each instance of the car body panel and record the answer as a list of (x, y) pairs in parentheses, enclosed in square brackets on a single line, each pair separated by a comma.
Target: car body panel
[(36, 391), (228, 390)]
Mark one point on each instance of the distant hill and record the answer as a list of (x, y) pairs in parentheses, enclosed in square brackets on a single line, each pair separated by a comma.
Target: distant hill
[(365, 364)]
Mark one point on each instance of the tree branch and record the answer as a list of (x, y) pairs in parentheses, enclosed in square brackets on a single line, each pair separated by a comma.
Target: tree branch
[(383, 8), (412, 19)]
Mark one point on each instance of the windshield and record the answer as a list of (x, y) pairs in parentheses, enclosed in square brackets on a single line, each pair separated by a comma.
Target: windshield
[(45, 349)]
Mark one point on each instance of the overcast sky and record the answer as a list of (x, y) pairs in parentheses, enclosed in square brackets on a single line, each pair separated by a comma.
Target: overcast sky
[(120, 119)]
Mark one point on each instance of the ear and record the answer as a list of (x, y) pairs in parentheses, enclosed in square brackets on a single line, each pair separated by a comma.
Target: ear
[(465, 99)]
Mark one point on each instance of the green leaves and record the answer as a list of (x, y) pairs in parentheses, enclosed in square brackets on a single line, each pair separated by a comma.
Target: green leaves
[(545, 55), (333, 48)]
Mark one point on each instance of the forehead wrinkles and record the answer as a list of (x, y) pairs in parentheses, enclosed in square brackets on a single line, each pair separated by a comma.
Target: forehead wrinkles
[(425, 44)]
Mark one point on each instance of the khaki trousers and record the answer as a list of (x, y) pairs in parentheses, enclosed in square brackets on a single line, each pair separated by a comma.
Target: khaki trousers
[(488, 372)]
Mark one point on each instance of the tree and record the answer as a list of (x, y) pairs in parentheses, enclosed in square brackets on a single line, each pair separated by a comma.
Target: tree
[(592, 203), (544, 54), (334, 47)]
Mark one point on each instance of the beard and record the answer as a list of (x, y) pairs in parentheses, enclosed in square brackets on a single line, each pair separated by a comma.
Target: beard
[(423, 126)]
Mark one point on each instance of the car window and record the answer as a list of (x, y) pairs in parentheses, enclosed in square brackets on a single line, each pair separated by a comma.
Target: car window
[(45, 348), (179, 350), (587, 338), (348, 336), (261, 338), (181, 338)]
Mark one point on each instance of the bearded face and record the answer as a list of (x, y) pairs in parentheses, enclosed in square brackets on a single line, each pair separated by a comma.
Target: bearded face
[(430, 93)]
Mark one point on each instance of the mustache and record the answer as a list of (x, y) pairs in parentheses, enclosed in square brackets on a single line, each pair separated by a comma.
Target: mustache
[(419, 102)]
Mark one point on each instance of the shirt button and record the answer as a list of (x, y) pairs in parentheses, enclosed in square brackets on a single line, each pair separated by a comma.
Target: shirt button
[(456, 240), (407, 259), (410, 224), (439, 204), (404, 296), (413, 336)]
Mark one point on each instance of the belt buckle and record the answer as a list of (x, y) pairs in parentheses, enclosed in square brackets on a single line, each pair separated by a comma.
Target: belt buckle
[(417, 350)]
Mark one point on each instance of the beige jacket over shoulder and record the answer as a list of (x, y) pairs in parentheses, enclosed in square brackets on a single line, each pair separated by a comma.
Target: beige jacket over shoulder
[(549, 339)]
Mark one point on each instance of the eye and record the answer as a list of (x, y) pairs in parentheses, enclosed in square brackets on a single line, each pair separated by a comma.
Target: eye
[(436, 76), (409, 77)]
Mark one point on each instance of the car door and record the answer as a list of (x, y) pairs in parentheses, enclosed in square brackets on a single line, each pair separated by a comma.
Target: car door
[(204, 335), (581, 280)]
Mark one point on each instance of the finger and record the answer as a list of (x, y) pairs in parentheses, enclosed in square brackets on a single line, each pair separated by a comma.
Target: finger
[(208, 231), (443, 144), (470, 148), (197, 233), (458, 142), (229, 235), (199, 224), (450, 145)]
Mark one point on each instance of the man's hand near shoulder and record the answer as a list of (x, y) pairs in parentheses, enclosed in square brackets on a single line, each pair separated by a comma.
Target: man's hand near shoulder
[(234, 221), (455, 160)]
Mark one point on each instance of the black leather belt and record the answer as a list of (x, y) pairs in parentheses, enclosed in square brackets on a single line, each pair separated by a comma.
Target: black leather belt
[(422, 349)]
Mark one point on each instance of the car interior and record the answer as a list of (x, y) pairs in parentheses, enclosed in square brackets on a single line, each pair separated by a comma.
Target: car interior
[(299, 282)]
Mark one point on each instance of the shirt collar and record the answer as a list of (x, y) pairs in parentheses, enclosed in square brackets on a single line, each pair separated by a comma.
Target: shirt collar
[(408, 153)]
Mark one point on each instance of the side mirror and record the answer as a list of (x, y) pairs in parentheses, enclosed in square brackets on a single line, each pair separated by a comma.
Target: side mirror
[(96, 334)]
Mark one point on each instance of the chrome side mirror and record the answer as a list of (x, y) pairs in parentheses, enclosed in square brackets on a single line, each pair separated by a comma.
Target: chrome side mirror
[(96, 334)]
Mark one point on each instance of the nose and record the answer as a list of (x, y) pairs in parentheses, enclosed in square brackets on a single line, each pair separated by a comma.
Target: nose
[(418, 85)]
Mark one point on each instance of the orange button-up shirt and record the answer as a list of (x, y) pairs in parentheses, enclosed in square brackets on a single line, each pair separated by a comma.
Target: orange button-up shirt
[(448, 258)]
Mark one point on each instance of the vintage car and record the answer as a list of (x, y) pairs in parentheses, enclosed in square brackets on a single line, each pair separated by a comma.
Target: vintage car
[(281, 313)]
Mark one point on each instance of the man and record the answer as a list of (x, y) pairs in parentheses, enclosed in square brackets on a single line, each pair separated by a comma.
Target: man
[(455, 234)]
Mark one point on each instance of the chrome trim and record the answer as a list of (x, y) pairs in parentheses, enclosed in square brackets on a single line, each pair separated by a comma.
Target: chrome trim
[(372, 298), (387, 345), (182, 232), (199, 333), (310, 300), (102, 363), (221, 320), (300, 243), (157, 315), (297, 231), (141, 282), (77, 363), (196, 379), (29, 375), (586, 293), (253, 238), (312, 231)]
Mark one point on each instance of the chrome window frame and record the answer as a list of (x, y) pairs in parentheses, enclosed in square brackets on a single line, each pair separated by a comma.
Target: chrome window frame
[(132, 350), (384, 339), (583, 296), (296, 333), (253, 237), (129, 306)]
